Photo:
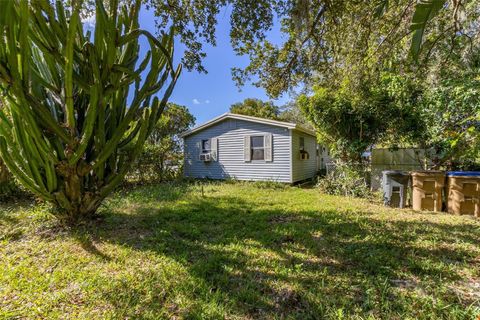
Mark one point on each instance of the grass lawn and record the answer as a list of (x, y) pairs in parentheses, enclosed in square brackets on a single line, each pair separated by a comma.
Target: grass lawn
[(241, 251)]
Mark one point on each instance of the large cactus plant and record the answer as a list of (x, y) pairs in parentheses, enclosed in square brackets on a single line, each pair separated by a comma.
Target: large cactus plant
[(78, 105)]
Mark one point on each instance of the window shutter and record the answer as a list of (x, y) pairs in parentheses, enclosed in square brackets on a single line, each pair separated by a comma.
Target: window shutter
[(214, 148), (268, 147), (246, 149)]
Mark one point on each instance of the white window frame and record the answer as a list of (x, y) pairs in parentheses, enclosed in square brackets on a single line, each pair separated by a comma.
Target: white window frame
[(252, 148), (304, 155), (209, 143)]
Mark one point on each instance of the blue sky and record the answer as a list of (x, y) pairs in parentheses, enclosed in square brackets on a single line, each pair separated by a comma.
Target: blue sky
[(209, 95)]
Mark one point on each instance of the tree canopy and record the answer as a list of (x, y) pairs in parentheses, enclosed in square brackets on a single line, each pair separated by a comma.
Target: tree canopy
[(349, 122), (174, 120), (318, 42), (162, 156), (451, 111), (256, 108)]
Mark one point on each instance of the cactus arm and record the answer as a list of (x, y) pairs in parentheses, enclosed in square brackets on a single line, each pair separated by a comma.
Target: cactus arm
[(24, 47), (135, 33), (30, 151), (136, 150), (19, 174), (32, 124), (72, 126), (44, 114), (118, 134), (88, 126)]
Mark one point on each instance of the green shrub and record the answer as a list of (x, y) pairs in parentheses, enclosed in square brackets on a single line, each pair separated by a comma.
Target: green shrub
[(346, 180), (155, 164), (162, 156), (270, 184)]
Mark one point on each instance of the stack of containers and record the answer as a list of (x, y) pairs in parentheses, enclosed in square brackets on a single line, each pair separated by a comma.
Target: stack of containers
[(462, 192), (427, 190)]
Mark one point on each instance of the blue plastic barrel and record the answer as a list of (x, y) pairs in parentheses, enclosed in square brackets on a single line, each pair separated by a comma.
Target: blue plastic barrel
[(463, 173)]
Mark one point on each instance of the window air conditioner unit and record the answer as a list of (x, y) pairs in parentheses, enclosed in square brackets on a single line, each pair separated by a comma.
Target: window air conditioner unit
[(205, 157)]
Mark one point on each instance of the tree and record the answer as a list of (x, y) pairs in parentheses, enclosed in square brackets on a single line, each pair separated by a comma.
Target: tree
[(451, 111), (317, 37), (77, 109), (256, 108), (320, 44), (175, 120), (166, 141), (291, 112), (350, 120), (161, 159)]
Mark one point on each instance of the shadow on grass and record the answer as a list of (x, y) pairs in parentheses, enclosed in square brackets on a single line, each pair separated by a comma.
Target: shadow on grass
[(274, 263)]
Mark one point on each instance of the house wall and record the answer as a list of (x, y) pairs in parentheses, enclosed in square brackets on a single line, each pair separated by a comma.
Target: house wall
[(303, 169), (231, 163)]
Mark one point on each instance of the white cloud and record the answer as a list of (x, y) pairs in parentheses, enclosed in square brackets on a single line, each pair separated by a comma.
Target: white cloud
[(207, 101), (195, 101)]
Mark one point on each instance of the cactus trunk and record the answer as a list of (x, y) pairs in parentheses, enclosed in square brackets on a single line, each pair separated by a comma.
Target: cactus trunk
[(78, 105)]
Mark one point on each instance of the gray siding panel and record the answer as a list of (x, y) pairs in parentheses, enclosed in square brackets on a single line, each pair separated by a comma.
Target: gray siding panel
[(231, 164), (303, 169)]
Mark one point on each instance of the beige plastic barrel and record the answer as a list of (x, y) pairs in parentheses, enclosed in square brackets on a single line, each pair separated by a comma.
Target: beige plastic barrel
[(464, 195), (427, 190)]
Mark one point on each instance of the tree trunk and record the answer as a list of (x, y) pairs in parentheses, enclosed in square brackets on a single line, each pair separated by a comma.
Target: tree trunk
[(74, 212), (75, 202)]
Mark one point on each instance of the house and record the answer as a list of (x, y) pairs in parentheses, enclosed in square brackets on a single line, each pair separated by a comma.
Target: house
[(249, 148)]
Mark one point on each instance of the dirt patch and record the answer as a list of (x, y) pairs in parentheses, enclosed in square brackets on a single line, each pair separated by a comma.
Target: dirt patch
[(468, 291)]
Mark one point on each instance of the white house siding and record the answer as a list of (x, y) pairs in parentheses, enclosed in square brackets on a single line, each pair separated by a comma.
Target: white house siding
[(303, 169), (231, 163)]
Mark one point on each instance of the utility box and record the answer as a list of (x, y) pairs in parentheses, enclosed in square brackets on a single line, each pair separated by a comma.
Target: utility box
[(428, 190), (395, 186), (463, 190)]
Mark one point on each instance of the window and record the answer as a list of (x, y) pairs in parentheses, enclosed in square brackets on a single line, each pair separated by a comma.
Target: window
[(302, 143), (258, 148), (303, 154), (206, 147)]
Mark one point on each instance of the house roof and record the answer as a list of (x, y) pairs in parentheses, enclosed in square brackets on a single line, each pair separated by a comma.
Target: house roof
[(288, 125)]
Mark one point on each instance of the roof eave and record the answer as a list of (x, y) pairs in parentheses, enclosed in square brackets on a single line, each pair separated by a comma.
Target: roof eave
[(305, 130), (207, 124)]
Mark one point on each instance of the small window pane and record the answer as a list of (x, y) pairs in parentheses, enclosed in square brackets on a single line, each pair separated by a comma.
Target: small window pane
[(258, 154), (257, 142), (206, 145), (302, 143)]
